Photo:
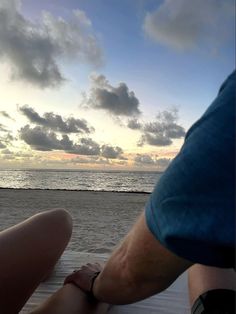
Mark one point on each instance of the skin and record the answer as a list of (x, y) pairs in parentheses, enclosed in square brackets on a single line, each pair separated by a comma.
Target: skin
[(203, 278), (139, 267), (28, 252), (70, 300)]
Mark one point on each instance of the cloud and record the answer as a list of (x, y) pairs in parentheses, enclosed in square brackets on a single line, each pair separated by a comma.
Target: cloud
[(7, 151), (118, 101), (23, 155), (134, 124), (163, 162), (184, 24), (144, 159), (38, 138), (154, 140), (91, 160), (78, 160), (147, 160), (2, 145), (86, 147), (42, 140), (5, 139), (7, 154), (162, 131), (6, 115), (111, 152), (3, 128), (34, 50), (55, 122)]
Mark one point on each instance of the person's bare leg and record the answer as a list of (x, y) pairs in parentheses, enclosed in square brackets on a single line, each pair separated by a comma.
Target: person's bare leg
[(70, 300), (27, 252), (204, 278)]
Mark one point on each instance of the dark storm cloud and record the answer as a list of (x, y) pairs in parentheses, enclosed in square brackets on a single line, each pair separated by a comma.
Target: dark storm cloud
[(56, 122), (33, 49), (118, 101)]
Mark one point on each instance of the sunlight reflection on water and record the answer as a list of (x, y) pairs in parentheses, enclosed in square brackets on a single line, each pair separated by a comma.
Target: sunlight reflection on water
[(79, 180)]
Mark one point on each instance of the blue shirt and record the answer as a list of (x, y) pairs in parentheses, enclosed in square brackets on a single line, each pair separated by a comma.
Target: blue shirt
[(192, 208)]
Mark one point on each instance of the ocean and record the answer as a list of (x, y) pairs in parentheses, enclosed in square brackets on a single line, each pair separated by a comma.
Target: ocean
[(117, 181)]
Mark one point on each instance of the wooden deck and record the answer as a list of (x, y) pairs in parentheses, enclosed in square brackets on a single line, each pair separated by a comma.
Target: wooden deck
[(172, 301)]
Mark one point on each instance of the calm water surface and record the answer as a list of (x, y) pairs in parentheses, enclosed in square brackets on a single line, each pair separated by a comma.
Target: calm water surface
[(79, 180)]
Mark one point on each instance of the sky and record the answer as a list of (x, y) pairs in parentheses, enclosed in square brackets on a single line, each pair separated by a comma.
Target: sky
[(109, 85)]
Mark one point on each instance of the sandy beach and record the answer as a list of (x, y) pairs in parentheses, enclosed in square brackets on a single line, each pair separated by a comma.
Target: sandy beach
[(101, 219)]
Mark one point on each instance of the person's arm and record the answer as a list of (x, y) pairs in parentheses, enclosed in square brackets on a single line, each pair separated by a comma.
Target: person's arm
[(137, 269)]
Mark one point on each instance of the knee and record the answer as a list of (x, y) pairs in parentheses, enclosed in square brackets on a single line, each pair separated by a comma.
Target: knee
[(62, 219), (56, 222)]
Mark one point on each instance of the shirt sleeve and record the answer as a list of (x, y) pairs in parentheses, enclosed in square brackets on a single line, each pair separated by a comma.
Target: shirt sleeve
[(192, 208)]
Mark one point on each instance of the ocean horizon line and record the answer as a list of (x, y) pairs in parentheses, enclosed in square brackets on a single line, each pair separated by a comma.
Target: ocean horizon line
[(79, 170)]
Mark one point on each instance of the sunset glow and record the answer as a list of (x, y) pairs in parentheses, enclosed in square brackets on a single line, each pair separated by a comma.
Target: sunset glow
[(107, 84)]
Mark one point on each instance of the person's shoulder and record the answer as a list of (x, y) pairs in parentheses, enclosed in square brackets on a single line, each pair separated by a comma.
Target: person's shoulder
[(220, 112)]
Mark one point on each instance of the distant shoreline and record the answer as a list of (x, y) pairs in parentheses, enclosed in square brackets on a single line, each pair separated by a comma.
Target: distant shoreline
[(74, 190)]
